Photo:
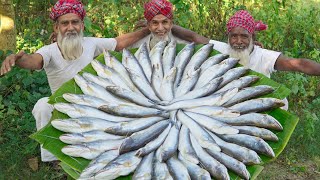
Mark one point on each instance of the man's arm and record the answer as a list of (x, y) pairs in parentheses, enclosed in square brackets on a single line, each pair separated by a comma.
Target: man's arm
[(306, 66), (188, 35), (23, 60), (128, 39)]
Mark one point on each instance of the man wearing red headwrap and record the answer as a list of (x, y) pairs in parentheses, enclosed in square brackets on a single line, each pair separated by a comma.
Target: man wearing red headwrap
[(241, 29), (63, 59), (159, 16)]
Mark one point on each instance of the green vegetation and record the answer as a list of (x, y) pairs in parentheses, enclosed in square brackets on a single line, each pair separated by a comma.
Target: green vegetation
[(293, 29)]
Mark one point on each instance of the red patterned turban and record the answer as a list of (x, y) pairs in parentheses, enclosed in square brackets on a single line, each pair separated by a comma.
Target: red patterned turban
[(243, 19), (63, 7), (156, 7)]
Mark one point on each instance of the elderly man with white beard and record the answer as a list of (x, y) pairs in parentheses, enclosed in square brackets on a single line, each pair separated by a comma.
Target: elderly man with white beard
[(63, 59), (159, 16), (241, 29)]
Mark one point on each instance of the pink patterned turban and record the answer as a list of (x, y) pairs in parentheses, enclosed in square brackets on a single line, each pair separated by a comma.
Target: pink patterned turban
[(63, 7), (156, 7), (243, 19)]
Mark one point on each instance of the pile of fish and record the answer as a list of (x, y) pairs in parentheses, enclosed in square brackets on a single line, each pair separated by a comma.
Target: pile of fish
[(164, 115)]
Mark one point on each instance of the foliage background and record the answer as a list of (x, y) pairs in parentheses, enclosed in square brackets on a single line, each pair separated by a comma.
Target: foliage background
[(294, 27)]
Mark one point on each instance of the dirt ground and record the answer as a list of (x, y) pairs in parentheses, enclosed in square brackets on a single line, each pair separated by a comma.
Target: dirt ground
[(279, 170)]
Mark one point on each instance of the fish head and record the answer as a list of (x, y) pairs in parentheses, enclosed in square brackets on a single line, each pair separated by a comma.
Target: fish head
[(69, 125)]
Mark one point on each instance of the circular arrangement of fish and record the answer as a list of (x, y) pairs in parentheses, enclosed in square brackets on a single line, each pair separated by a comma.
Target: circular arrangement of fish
[(164, 115)]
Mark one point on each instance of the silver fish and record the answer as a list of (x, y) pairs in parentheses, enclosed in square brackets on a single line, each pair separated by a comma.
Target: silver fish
[(83, 99), (145, 168), (127, 128), (185, 148), (153, 145), (168, 57), (98, 163), (232, 74), (90, 136), (108, 73), (95, 90), (212, 100), (166, 86), (81, 125), (91, 150), (97, 80), (194, 170), (240, 83), (128, 110), (215, 71), (198, 58), (137, 75), (213, 60), (215, 168), (214, 111), (182, 60), (156, 63), (121, 166), (170, 145), (161, 171), (234, 165), (255, 143), (258, 132), (196, 130), (200, 92), (253, 119), (188, 82), (76, 111), (141, 138), (257, 105), (243, 154), (142, 55), (177, 169), (249, 93), (129, 95), (212, 124), (116, 65)]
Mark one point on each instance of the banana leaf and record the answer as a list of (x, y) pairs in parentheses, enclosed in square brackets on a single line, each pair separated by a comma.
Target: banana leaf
[(49, 136)]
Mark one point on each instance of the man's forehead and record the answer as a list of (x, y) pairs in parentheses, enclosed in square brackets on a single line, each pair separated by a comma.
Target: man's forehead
[(68, 17), (239, 30), (160, 17)]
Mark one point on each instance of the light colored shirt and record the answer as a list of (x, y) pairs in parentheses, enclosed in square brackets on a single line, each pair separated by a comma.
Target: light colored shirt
[(59, 70), (261, 60), (147, 39)]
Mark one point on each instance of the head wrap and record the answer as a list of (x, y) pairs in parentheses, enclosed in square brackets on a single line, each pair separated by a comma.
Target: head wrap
[(243, 19), (156, 7), (63, 7)]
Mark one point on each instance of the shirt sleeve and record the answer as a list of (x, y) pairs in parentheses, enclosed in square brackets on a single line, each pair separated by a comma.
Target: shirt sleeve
[(46, 55), (104, 44), (269, 59), (220, 46)]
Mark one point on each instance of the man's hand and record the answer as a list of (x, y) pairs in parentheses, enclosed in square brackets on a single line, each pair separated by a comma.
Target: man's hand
[(140, 24), (10, 61)]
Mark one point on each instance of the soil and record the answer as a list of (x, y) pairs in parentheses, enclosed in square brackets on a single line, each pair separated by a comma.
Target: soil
[(279, 170)]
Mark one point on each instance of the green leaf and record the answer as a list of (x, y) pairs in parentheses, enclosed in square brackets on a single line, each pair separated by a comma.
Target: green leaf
[(49, 136)]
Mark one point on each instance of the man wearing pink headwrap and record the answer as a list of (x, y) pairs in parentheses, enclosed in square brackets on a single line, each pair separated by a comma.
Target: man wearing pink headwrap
[(63, 59), (159, 16), (241, 29)]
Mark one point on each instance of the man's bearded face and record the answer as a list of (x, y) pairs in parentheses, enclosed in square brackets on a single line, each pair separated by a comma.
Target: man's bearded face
[(70, 35), (240, 44), (160, 27), (70, 44)]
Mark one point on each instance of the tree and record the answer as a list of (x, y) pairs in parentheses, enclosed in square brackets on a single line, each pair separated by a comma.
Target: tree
[(7, 26)]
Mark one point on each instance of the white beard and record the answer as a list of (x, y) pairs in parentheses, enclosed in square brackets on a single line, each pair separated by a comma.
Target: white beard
[(243, 54), (155, 39), (70, 45)]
